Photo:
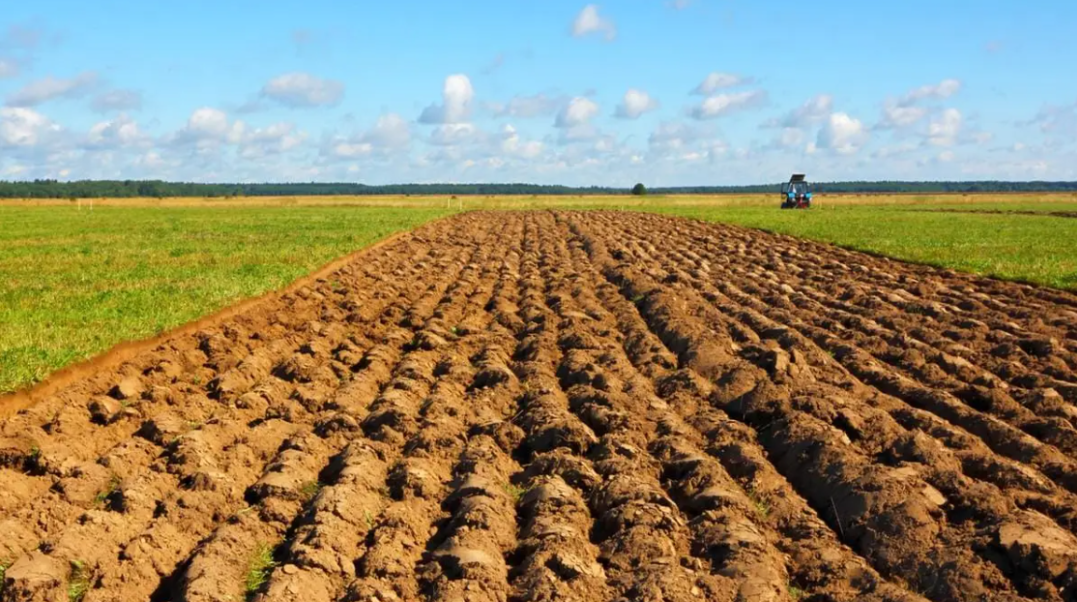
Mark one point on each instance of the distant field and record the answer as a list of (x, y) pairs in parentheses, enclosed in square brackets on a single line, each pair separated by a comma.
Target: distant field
[(74, 282)]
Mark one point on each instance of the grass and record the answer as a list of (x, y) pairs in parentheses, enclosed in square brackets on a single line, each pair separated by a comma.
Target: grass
[(259, 567), (103, 498), (78, 581), (515, 492), (308, 490), (74, 283)]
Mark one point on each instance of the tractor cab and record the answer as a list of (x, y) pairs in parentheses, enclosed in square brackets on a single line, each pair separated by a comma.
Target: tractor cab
[(796, 193)]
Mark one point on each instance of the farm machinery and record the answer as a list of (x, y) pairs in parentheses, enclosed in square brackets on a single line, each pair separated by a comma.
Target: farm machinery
[(796, 193)]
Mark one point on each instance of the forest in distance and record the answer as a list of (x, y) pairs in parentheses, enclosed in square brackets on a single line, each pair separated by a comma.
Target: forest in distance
[(38, 189)]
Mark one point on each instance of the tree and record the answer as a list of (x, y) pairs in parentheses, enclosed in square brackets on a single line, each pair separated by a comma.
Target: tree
[(639, 190)]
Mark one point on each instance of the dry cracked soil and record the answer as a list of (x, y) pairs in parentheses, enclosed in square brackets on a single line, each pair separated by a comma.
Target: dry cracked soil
[(581, 406)]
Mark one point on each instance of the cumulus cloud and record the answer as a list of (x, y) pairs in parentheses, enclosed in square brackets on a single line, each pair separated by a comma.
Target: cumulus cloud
[(455, 107), (455, 134), (945, 130), (51, 88), (271, 140), (588, 21), (814, 111), (208, 128), (904, 112), (790, 138), (841, 134), (716, 81), (117, 100), (22, 127), (940, 91), (526, 106), (303, 90), (513, 146), (672, 136), (635, 103), (119, 132), (897, 116), (724, 104), (579, 111), (390, 134)]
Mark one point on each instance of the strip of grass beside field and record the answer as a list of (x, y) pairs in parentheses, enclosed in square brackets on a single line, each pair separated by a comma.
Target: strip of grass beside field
[(1027, 248), (75, 283)]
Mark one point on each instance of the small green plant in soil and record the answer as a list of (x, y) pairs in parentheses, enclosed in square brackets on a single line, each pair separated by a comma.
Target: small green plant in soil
[(78, 581), (309, 489), (259, 568), (515, 492)]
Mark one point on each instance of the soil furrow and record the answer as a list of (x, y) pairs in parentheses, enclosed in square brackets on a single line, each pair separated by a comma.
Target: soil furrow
[(569, 405), (717, 357)]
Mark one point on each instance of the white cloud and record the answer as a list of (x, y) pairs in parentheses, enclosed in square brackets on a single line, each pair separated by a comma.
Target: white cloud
[(455, 134), (635, 103), (589, 21), (271, 140), (815, 110), (299, 90), (671, 136), (791, 137), (678, 4), (456, 97), (21, 127), (578, 112), (904, 112), (51, 88), (526, 106), (208, 128), (716, 81), (513, 146), (841, 134), (723, 104), (8, 68), (940, 91), (119, 132), (116, 100), (898, 116), (944, 130), (390, 134), (350, 150)]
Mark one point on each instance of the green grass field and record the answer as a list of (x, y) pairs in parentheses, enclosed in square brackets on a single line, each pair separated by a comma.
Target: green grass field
[(74, 283)]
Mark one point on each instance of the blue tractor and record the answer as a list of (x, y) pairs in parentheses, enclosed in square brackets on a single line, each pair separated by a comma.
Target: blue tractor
[(796, 193)]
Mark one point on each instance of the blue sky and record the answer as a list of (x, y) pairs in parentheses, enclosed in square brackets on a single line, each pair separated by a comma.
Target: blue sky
[(668, 92)]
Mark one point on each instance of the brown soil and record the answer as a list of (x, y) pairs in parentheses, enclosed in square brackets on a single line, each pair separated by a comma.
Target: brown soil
[(568, 406)]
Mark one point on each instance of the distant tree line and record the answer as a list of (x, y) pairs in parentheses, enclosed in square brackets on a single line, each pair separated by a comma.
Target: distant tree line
[(54, 189)]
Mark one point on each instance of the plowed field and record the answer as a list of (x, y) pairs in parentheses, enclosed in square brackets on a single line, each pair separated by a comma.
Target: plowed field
[(570, 406)]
